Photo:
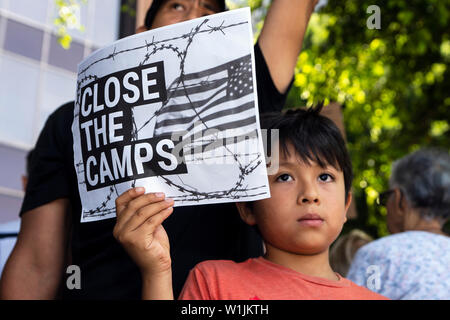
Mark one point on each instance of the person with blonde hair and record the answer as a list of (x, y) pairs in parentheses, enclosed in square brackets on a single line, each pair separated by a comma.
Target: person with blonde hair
[(344, 249)]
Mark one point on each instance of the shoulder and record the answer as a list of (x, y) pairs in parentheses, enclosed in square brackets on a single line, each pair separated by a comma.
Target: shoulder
[(377, 252), (56, 135), (428, 238), (59, 123), (362, 293), (64, 113), (219, 266), (404, 241), (213, 279), (218, 270), (394, 251), (385, 244)]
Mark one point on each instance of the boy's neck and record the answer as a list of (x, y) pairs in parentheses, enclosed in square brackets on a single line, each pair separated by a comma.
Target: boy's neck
[(316, 265)]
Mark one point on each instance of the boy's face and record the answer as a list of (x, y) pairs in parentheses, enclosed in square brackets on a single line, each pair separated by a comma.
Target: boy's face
[(307, 208), (174, 11)]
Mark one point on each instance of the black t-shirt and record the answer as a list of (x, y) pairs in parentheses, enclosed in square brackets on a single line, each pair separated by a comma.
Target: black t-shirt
[(196, 233)]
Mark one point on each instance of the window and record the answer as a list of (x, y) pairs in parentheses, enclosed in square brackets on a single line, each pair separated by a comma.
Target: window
[(37, 76), (24, 40)]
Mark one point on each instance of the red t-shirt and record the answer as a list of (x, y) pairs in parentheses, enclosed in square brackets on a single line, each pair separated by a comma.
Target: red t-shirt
[(260, 279)]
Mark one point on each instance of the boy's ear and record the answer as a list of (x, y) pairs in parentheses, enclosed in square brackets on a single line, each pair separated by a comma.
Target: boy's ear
[(246, 213), (347, 205)]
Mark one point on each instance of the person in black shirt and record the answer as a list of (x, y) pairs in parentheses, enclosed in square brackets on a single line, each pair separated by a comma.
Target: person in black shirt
[(36, 267)]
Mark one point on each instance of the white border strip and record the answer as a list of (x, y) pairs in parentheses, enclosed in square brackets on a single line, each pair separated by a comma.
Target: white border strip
[(12, 192)]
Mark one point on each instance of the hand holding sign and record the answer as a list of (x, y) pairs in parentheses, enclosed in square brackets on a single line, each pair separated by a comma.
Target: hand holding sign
[(138, 228)]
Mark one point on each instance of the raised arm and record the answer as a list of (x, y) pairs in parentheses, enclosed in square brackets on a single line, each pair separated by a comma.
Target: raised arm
[(36, 265), (282, 37)]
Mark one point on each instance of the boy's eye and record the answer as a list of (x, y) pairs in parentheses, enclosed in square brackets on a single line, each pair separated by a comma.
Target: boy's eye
[(325, 177), (284, 177)]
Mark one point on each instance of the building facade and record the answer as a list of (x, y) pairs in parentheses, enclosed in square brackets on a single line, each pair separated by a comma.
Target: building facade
[(37, 76)]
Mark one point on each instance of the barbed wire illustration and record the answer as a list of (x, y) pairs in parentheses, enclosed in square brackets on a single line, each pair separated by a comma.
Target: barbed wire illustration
[(236, 191)]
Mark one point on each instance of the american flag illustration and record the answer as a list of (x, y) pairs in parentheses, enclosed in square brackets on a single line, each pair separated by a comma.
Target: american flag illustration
[(218, 98)]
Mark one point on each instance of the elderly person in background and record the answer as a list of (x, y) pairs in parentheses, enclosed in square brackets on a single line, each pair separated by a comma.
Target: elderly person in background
[(413, 262)]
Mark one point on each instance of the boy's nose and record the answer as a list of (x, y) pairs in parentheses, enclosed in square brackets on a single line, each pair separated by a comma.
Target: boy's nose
[(310, 199), (309, 196)]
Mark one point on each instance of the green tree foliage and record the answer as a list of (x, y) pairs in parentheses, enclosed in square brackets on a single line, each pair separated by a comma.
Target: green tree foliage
[(68, 17), (393, 83), (129, 8)]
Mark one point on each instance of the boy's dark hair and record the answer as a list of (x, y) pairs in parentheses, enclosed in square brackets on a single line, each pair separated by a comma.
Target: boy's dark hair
[(151, 13), (314, 138)]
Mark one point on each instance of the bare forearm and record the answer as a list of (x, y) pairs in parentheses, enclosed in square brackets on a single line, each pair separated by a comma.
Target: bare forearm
[(35, 267), (21, 281), (282, 37), (157, 287)]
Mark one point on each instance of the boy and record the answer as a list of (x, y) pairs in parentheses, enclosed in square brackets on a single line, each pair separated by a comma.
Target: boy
[(310, 195)]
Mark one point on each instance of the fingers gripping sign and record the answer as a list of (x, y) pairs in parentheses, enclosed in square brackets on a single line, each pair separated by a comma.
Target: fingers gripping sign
[(139, 229)]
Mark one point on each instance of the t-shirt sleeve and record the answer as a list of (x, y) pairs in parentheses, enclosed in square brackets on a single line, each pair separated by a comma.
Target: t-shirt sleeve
[(269, 98), (195, 287), (362, 293), (48, 177)]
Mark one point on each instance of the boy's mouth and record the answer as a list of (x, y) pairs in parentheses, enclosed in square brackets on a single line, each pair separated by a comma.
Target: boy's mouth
[(311, 220)]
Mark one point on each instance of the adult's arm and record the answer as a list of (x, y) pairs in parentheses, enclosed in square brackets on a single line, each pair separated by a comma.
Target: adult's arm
[(282, 37), (34, 269)]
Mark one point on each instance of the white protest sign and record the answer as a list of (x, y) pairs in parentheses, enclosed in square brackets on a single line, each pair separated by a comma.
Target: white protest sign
[(173, 110)]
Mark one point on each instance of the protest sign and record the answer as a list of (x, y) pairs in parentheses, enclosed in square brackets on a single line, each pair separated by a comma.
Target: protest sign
[(173, 110)]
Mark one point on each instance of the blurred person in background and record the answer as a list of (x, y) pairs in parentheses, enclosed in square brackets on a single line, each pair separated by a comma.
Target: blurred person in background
[(344, 249), (412, 263)]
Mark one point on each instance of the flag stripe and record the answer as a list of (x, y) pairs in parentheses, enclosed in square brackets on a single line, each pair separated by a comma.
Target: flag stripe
[(201, 74), (180, 110), (209, 144), (213, 121), (215, 107), (206, 112), (203, 86), (230, 125)]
